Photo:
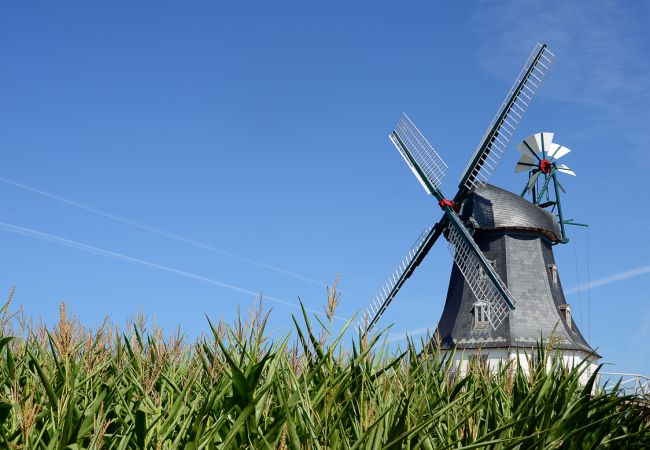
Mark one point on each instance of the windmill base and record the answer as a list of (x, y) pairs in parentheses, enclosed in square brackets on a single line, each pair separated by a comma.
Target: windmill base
[(495, 358)]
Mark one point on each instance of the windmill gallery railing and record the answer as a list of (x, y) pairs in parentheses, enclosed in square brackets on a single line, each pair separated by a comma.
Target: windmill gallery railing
[(625, 384)]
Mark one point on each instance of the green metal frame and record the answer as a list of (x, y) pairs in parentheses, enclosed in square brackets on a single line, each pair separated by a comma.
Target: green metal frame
[(538, 193)]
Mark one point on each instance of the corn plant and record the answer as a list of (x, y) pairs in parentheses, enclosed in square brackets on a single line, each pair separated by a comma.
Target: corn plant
[(69, 387)]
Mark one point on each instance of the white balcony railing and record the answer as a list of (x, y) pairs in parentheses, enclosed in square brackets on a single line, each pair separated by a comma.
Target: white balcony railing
[(628, 383)]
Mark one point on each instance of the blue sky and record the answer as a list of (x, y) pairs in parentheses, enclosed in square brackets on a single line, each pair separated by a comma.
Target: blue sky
[(181, 158)]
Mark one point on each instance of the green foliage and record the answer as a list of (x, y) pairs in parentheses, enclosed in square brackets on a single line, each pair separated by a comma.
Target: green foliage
[(69, 388)]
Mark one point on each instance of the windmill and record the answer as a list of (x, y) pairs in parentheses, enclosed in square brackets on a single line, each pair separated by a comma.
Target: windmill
[(491, 233)]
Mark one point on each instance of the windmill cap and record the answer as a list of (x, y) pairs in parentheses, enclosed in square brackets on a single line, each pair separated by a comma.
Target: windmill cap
[(491, 208)]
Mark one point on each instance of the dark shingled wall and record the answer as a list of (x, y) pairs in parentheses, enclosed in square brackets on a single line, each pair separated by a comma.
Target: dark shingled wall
[(517, 235)]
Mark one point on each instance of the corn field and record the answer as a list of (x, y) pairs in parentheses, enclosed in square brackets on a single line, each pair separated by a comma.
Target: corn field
[(73, 388)]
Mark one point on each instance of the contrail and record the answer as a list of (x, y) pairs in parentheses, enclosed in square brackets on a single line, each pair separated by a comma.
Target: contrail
[(611, 279), (159, 232), (103, 252)]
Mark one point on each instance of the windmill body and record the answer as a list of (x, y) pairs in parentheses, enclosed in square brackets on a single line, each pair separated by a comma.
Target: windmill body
[(505, 295), (518, 238)]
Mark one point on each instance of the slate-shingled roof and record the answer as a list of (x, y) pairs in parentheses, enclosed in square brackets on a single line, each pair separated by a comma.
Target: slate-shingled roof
[(490, 207)]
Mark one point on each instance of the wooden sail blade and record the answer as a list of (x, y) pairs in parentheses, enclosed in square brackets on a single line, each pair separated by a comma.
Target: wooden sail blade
[(505, 122), (421, 157), (370, 316), (485, 283)]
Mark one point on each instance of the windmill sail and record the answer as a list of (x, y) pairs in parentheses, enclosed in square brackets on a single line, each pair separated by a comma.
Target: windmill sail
[(408, 140), (507, 119), (484, 282), (402, 272)]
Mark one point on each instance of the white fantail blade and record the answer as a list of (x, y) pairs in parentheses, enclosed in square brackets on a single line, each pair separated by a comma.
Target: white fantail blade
[(552, 150), (528, 150), (522, 167), (538, 142), (525, 159), (532, 180), (564, 169), (525, 163), (559, 152), (533, 143), (547, 140)]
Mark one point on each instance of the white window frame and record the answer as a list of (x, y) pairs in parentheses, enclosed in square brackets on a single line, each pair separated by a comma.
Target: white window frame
[(565, 310), (552, 274), (480, 311)]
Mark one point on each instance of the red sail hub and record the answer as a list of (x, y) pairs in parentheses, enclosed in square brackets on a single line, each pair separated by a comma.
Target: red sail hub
[(545, 166), (453, 205)]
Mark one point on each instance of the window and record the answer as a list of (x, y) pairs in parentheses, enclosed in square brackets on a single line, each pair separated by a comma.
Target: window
[(480, 311), (552, 273), (565, 312)]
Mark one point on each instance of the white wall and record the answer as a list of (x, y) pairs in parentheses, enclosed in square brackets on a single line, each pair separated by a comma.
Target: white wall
[(496, 356)]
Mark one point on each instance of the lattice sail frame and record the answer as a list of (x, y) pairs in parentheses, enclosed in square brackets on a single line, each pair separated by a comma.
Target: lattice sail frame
[(407, 136), (477, 279), (507, 118), (380, 302)]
